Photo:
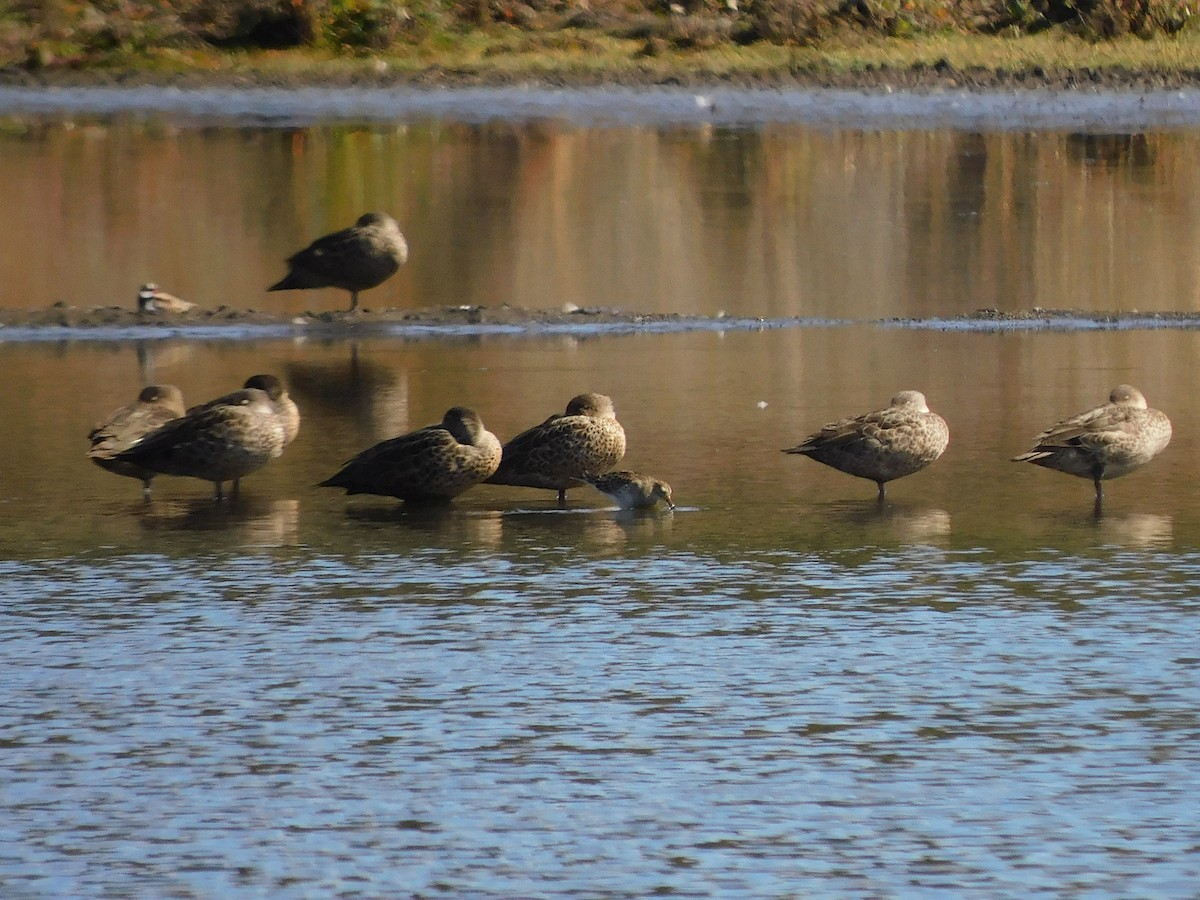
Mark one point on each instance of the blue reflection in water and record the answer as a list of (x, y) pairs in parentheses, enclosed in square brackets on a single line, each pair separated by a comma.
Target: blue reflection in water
[(903, 722)]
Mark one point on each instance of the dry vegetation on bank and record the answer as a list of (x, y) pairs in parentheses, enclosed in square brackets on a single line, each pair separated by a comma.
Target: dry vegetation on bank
[(965, 42)]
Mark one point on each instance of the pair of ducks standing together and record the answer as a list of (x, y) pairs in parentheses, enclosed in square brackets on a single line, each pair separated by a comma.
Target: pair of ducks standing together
[(443, 460), (1102, 443)]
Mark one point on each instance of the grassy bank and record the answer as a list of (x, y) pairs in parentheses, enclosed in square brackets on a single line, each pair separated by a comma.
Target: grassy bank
[(851, 43)]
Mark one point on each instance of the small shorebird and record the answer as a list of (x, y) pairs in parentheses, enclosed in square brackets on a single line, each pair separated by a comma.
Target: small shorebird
[(354, 259), (1106, 442), (557, 454), (224, 439), (632, 490), (882, 445), (152, 300), (438, 462), (156, 405)]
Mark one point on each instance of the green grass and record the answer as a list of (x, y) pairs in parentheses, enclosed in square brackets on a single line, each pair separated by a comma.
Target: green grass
[(505, 54)]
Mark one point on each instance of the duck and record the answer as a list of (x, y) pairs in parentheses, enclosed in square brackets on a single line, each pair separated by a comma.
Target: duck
[(632, 490), (434, 463), (156, 405), (883, 445), (555, 455), (153, 300), (223, 440), (354, 259), (1105, 442)]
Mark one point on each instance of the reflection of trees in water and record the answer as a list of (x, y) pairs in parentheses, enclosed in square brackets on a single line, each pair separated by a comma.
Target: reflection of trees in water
[(781, 219), (1128, 152)]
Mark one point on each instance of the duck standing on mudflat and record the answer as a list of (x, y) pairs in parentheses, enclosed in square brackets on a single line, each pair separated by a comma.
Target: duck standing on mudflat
[(632, 490), (1106, 442), (224, 439), (882, 445), (438, 462), (354, 259), (156, 405), (556, 455)]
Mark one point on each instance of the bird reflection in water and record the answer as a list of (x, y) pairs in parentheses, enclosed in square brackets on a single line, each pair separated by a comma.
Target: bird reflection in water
[(373, 396), (906, 524), (260, 522), (445, 519)]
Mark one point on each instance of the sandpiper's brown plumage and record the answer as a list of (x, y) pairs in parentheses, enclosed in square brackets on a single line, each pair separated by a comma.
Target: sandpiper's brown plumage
[(354, 259), (224, 439), (882, 445), (555, 455), (156, 405), (1106, 442), (153, 300), (438, 462), (632, 490)]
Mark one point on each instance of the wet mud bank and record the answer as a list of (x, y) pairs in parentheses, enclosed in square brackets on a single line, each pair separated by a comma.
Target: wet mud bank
[(62, 322)]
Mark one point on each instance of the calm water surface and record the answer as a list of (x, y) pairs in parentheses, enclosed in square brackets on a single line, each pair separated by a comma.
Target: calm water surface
[(776, 690)]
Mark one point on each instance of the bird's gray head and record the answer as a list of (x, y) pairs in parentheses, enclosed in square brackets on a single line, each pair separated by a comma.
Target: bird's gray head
[(914, 399), (1127, 395), (162, 393), (598, 406), (269, 384)]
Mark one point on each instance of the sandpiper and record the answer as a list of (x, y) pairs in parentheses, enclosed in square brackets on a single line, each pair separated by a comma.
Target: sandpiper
[(153, 300), (632, 490)]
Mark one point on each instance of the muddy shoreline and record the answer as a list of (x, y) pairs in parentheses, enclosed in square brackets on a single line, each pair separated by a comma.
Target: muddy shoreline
[(63, 322), (938, 75)]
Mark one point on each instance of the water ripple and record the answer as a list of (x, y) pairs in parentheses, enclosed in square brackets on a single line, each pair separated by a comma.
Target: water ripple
[(475, 723)]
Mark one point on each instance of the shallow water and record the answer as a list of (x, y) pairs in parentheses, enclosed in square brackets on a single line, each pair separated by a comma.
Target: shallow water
[(778, 689)]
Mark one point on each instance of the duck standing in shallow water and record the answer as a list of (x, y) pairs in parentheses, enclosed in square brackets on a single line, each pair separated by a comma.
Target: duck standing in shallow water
[(632, 490), (156, 405), (1106, 442), (438, 462), (224, 439), (354, 259), (882, 445), (557, 454)]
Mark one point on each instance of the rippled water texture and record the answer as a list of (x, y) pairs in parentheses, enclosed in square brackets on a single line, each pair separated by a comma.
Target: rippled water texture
[(779, 689)]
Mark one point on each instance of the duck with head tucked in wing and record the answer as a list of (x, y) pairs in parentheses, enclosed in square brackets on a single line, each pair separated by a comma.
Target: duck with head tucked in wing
[(556, 455), (1105, 442), (224, 439), (435, 463), (883, 445), (156, 405)]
